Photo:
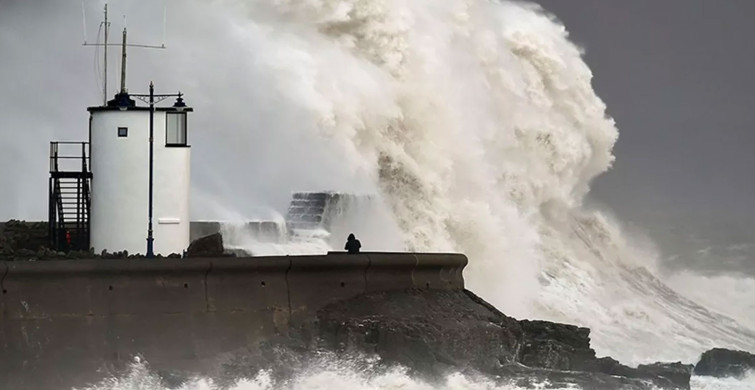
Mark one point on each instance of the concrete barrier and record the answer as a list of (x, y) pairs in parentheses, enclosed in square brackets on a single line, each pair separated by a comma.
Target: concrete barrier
[(315, 281), (73, 317), (390, 271), (247, 300), (439, 271), (67, 323), (104, 287)]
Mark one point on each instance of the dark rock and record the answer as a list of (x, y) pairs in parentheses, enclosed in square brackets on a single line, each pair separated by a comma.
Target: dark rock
[(24, 241), (665, 375), (567, 347), (610, 366), (678, 374), (721, 362), (17, 235), (20, 240), (207, 246), (436, 332), (419, 330), (556, 346)]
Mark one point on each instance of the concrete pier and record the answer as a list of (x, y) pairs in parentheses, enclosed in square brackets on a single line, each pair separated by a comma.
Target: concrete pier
[(68, 322)]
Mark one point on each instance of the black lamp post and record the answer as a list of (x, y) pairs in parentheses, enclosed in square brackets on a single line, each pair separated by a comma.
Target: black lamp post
[(152, 99)]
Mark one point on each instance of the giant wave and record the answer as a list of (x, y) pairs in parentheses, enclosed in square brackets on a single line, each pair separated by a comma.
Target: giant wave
[(477, 125)]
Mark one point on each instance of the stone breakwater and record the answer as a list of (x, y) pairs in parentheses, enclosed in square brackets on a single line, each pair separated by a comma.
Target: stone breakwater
[(72, 322)]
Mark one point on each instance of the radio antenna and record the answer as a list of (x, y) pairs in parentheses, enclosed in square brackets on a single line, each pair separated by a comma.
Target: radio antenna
[(105, 23), (84, 21), (104, 82), (123, 45), (165, 20)]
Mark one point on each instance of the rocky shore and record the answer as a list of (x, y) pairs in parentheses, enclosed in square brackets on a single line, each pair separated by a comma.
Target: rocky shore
[(433, 333), (722, 363)]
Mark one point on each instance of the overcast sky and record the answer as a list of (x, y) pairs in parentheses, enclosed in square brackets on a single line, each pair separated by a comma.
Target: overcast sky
[(677, 75)]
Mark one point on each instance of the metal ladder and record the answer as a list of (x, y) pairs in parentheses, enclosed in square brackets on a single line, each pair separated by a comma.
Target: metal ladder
[(69, 198)]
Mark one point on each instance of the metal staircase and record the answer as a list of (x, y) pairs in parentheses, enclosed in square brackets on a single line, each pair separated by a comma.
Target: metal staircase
[(69, 201)]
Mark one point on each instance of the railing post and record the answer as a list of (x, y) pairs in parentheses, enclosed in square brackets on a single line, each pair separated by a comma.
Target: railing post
[(51, 214), (150, 238), (83, 157)]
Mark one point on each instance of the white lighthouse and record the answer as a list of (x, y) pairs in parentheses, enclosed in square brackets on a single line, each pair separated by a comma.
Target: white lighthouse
[(140, 185)]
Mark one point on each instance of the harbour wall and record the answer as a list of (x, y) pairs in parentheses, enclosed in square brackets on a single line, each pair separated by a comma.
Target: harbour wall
[(71, 322)]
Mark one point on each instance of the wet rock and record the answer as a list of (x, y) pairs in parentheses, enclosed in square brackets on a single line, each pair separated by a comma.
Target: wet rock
[(567, 347), (427, 340), (118, 255), (721, 362), (610, 366), (207, 246), (436, 332), (556, 346), (678, 374), (17, 235), (21, 240)]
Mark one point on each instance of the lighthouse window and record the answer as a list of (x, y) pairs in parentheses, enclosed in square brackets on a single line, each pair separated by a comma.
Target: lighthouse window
[(175, 128), (123, 131)]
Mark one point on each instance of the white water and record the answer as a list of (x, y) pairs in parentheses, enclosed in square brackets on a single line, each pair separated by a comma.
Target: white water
[(728, 294), (332, 375), (708, 383), (342, 214), (477, 125)]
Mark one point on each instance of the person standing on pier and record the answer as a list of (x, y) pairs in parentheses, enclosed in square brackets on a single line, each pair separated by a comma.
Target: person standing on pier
[(352, 244)]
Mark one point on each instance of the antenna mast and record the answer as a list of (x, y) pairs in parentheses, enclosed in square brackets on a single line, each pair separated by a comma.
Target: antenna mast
[(104, 87), (106, 23), (123, 63)]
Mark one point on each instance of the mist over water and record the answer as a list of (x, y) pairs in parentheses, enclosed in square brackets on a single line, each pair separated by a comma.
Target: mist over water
[(475, 125)]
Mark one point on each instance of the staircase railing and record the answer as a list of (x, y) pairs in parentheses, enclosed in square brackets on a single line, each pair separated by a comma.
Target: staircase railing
[(69, 201)]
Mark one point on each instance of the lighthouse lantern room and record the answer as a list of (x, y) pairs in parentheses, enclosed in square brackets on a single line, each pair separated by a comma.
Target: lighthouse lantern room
[(137, 186)]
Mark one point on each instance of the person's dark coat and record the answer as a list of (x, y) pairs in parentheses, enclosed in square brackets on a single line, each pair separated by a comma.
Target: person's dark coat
[(352, 244)]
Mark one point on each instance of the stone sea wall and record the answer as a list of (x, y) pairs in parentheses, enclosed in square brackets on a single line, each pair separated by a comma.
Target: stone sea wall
[(64, 320)]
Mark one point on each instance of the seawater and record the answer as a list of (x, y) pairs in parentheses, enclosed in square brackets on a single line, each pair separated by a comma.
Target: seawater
[(328, 375)]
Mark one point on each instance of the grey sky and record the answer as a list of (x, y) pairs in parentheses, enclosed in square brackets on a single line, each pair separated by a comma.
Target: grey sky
[(677, 75)]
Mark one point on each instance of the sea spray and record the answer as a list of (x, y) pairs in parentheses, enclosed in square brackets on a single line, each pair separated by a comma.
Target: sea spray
[(325, 373), (477, 124), (326, 377)]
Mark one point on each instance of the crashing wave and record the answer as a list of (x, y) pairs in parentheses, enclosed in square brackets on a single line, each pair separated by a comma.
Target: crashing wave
[(477, 124)]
